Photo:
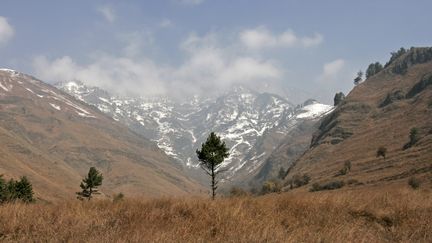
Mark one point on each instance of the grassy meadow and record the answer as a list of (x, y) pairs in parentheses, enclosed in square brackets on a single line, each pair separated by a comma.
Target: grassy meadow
[(394, 215)]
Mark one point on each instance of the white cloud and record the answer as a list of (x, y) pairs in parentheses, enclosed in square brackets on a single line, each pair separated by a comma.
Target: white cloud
[(108, 13), (208, 68), (331, 70), (123, 75), (190, 2), (260, 38), (6, 31), (135, 42), (166, 23)]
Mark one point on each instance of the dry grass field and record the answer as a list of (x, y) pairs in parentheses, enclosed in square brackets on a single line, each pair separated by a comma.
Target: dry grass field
[(372, 215)]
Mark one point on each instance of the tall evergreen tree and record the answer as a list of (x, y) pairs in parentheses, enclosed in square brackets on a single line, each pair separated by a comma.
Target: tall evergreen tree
[(90, 183), (212, 154)]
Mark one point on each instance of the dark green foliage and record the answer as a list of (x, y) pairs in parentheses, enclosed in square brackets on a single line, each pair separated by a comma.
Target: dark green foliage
[(212, 154), (420, 86), (282, 173), (338, 98), (2, 189), (347, 165), (238, 192), (414, 183), (328, 186), (373, 69), (359, 77), (342, 171), (118, 197), (298, 181), (414, 56), (271, 186), (24, 190), (395, 55), (381, 152), (90, 183), (413, 138), (345, 169), (392, 97), (353, 182), (12, 190)]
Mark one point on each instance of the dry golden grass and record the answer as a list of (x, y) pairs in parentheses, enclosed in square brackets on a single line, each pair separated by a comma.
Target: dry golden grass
[(338, 216)]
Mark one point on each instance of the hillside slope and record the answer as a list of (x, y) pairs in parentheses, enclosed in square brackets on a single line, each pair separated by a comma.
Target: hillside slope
[(53, 139), (381, 111)]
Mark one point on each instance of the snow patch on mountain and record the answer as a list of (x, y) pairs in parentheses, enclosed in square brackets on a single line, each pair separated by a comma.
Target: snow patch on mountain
[(314, 110), (55, 106), (243, 118)]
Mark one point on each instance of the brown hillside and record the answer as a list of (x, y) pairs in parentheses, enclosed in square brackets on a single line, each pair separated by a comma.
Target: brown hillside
[(378, 112), (53, 139)]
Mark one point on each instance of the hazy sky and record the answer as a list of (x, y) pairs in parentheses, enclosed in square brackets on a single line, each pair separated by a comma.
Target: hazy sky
[(180, 47)]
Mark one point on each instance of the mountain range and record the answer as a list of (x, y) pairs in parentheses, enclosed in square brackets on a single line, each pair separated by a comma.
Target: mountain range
[(252, 124)]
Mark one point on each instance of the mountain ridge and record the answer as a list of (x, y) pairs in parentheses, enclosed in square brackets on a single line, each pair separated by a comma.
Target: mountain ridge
[(379, 112), (251, 123), (53, 139)]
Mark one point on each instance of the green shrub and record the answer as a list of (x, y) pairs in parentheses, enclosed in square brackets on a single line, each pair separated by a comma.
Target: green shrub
[(381, 152), (352, 182), (414, 183), (395, 55), (414, 56), (413, 138), (338, 98), (12, 190), (271, 186), (238, 192), (345, 169), (298, 181), (118, 197), (328, 186), (373, 69)]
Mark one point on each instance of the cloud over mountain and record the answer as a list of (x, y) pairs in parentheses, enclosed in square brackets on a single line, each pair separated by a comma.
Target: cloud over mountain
[(6, 31), (261, 37), (207, 66)]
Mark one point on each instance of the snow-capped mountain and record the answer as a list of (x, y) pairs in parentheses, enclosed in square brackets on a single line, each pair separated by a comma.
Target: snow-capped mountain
[(251, 123)]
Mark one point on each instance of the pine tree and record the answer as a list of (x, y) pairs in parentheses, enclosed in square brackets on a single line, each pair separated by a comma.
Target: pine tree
[(24, 190), (359, 77), (16, 190), (373, 69), (338, 98), (90, 183), (212, 154)]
